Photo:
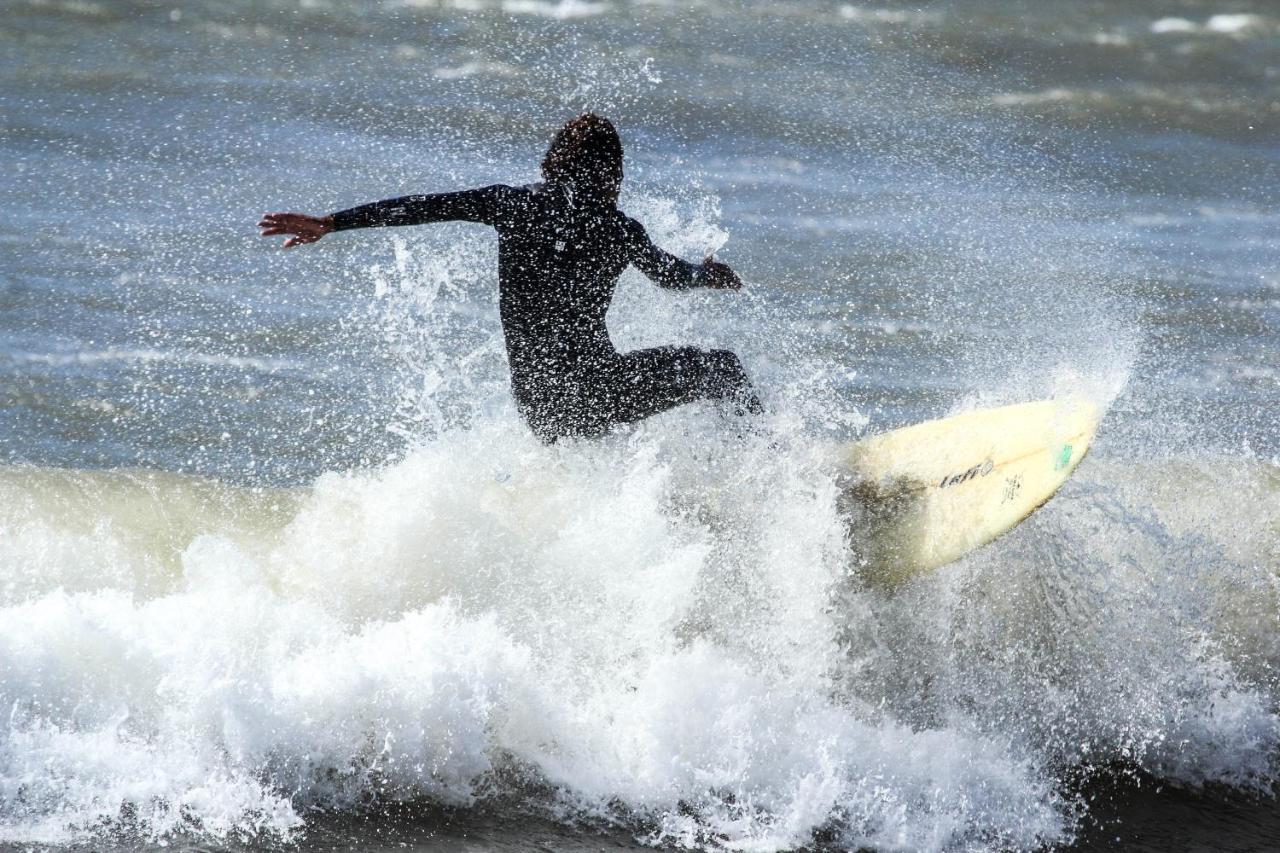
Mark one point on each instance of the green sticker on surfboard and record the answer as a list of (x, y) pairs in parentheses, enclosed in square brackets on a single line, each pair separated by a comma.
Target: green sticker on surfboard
[(1064, 458)]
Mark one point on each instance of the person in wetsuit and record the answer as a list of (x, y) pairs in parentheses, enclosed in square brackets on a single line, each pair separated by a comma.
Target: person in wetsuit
[(561, 246)]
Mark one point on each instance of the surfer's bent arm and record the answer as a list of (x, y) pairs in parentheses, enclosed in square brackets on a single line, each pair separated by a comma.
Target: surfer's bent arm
[(669, 271), (480, 205)]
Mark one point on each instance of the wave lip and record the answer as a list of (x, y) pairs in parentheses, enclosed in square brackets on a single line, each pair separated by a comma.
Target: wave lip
[(638, 630)]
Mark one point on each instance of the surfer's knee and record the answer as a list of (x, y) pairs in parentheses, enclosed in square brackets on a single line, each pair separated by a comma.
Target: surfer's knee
[(728, 380), (725, 368)]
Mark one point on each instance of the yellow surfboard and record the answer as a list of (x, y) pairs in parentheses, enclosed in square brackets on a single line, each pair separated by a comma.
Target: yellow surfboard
[(919, 497)]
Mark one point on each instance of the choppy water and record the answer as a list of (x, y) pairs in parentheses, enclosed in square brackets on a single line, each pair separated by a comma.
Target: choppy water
[(276, 551)]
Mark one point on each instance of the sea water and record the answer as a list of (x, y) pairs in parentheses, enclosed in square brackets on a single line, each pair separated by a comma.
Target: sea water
[(280, 565)]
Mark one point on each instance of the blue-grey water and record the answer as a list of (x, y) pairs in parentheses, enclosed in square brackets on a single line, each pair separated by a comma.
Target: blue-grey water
[(281, 568)]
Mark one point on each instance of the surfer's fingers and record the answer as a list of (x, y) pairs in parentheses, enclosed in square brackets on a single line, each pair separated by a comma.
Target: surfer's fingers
[(287, 220), (274, 225)]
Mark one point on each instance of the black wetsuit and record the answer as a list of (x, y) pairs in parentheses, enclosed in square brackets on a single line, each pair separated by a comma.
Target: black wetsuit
[(558, 264)]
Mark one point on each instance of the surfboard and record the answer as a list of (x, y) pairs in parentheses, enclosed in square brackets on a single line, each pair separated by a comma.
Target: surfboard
[(922, 496)]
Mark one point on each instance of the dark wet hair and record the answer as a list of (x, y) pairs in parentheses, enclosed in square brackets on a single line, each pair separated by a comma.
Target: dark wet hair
[(586, 154)]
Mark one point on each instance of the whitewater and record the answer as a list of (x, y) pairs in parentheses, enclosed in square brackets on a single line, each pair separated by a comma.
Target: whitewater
[(281, 564)]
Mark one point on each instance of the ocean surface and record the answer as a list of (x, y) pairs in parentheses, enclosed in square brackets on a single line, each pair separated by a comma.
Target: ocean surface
[(282, 569)]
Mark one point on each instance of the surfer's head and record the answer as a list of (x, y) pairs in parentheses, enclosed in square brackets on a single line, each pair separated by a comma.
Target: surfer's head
[(586, 156)]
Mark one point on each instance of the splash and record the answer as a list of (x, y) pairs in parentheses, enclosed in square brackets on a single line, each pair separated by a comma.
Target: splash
[(644, 629)]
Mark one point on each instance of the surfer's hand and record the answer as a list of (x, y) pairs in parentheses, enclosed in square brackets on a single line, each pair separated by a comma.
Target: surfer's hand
[(300, 227), (718, 276)]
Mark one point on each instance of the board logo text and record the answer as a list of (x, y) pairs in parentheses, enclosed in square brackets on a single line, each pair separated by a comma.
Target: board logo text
[(982, 469)]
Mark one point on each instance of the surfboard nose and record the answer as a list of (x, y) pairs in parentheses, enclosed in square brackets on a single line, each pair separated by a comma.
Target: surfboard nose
[(922, 496)]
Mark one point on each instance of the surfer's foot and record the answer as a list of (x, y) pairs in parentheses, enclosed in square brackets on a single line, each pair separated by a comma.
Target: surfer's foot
[(744, 418)]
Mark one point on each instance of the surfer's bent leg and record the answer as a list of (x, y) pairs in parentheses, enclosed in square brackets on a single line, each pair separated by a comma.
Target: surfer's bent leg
[(653, 380)]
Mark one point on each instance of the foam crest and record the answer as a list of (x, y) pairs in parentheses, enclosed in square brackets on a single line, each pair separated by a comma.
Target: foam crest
[(642, 629)]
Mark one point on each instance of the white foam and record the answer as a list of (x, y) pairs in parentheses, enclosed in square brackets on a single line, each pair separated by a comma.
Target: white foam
[(560, 10), (869, 15), (1222, 24), (1173, 25), (645, 621), (1233, 23), (473, 69), (1048, 96)]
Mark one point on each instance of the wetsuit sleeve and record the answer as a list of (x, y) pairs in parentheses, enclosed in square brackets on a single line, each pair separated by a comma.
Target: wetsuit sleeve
[(663, 267), (483, 205)]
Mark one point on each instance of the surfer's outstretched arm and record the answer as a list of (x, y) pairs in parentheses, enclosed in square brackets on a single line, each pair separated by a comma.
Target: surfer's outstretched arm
[(674, 273), (481, 205)]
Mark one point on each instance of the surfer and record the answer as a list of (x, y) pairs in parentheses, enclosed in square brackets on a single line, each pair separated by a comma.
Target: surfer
[(561, 246)]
